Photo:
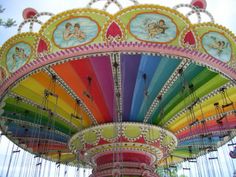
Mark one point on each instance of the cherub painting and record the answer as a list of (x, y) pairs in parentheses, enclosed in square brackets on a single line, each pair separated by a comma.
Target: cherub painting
[(75, 31), (17, 56), (217, 45), (80, 35), (67, 35), (156, 28), (153, 27)]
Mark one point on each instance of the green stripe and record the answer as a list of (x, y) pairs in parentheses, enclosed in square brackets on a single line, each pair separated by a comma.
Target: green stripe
[(32, 115), (178, 103)]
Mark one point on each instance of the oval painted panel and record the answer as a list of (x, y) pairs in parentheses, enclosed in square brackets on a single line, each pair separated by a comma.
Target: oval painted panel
[(17, 56), (75, 31), (153, 27), (217, 46)]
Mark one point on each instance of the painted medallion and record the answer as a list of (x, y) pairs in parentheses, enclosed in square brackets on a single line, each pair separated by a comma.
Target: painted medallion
[(75, 31), (17, 56), (217, 46), (153, 27)]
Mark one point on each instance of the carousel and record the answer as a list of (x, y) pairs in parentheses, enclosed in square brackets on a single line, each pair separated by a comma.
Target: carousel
[(124, 94)]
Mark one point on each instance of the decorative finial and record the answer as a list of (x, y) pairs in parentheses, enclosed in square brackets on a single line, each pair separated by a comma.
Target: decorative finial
[(201, 4), (31, 16), (29, 13), (197, 7)]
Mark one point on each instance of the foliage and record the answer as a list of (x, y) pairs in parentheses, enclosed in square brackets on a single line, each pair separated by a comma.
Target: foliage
[(167, 172), (9, 22)]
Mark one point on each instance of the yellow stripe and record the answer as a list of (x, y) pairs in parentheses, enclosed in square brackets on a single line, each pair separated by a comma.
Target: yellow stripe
[(207, 108), (33, 90)]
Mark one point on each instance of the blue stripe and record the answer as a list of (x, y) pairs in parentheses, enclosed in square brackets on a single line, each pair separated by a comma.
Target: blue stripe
[(162, 74), (148, 66)]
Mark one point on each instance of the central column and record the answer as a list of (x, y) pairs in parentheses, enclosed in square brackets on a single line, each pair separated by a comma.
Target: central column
[(131, 163), (123, 149)]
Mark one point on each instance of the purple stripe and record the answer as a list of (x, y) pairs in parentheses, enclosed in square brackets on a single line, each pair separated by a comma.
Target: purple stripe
[(129, 69), (102, 69)]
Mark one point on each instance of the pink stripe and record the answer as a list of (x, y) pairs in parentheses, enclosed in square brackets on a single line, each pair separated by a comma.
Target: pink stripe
[(102, 69)]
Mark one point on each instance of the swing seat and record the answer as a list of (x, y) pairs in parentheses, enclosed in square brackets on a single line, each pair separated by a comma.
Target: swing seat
[(233, 153)]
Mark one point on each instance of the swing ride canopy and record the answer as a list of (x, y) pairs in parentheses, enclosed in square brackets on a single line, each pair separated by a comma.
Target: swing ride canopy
[(137, 89)]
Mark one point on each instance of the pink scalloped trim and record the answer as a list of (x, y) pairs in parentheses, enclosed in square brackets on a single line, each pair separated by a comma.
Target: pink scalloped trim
[(122, 47)]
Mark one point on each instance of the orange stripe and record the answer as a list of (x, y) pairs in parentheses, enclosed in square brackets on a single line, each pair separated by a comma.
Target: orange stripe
[(68, 74), (45, 80)]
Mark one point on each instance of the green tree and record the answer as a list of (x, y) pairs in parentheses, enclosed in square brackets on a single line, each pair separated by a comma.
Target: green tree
[(9, 22), (167, 172)]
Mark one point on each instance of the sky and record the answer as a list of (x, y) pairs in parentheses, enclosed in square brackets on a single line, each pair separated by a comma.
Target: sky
[(223, 12), (23, 164)]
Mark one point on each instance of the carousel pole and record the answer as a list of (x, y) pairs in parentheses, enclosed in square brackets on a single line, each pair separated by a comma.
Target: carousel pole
[(22, 163), (227, 161), (49, 169), (5, 158), (227, 102), (211, 162), (9, 163), (24, 153), (55, 169), (42, 173), (202, 169), (35, 134), (219, 165), (1, 135), (14, 151), (34, 162), (231, 160), (15, 161), (28, 155), (84, 172), (66, 170)]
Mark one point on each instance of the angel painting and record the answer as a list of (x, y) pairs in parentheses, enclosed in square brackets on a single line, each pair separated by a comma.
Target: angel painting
[(17, 56), (75, 31), (156, 28), (217, 45), (153, 27)]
